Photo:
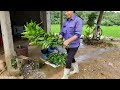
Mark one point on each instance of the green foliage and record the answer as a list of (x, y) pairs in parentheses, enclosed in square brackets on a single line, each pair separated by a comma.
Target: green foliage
[(39, 37), (55, 17), (113, 31), (14, 62), (90, 24), (109, 18), (57, 59), (33, 32), (86, 38), (91, 20)]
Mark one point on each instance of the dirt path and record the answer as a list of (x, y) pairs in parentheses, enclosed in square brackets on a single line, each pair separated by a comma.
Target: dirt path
[(105, 65)]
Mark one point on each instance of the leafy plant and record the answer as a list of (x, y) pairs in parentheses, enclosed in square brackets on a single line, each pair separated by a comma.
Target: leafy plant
[(57, 59), (14, 62), (86, 38), (90, 24), (91, 20), (39, 37)]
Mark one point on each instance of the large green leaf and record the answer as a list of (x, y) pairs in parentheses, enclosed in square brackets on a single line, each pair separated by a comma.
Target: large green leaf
[(36, 34)]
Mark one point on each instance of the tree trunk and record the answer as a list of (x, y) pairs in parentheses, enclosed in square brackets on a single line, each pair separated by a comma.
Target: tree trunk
[(100, 18)]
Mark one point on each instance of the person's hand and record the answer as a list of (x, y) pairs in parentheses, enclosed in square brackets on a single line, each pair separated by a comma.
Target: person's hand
[(60, 36), (66, 43)]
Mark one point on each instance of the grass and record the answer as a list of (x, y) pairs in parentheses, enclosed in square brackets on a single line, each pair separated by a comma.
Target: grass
[(55, 28), (112, 31)]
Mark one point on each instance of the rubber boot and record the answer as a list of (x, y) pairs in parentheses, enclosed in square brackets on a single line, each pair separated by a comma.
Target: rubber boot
[(75, 67), (66, 73)]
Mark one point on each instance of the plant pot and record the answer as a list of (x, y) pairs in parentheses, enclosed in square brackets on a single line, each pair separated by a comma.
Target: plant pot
[(22, 50)]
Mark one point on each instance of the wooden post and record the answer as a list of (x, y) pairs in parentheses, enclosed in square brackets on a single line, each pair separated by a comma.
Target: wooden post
[(45, 18), (48, 21), (61, 19), (7, 38)]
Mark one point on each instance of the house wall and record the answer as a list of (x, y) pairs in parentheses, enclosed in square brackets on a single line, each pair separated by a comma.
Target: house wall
[(21, 17)]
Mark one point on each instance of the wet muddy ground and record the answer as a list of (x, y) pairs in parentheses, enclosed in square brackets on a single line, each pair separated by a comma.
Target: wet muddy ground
[(94, 62)]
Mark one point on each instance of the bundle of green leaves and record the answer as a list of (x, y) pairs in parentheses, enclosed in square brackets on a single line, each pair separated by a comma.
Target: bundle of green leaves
[(57, 59), (37, 36)]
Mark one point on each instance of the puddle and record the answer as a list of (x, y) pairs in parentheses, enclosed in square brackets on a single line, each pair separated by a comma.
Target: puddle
[(91, 54)]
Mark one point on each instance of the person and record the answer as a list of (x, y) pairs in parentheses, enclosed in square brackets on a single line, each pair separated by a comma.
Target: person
[(46, 52), (71, 31)]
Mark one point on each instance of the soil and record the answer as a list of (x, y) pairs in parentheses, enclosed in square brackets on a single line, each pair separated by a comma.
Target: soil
[(94, 62)]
